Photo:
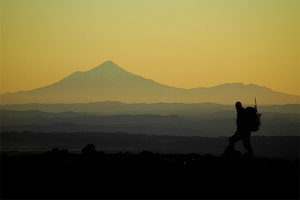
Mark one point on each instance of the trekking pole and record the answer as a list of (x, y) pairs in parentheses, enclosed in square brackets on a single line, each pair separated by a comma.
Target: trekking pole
[(257, 113)]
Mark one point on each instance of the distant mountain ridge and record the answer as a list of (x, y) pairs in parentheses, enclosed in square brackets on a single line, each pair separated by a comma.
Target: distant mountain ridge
[(216, 124), (116, 108), (109, 82)]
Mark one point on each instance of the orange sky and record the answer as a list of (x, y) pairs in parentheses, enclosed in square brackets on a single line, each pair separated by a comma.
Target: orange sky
[(180, 43)]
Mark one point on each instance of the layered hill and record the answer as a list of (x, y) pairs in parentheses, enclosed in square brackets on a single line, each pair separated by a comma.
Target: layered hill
[(204, 124), (109, 82)]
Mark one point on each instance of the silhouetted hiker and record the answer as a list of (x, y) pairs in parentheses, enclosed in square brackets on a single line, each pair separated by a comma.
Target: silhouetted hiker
[(243, 131)]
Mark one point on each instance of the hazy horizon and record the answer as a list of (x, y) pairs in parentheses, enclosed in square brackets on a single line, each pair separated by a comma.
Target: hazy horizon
[(183, 44)]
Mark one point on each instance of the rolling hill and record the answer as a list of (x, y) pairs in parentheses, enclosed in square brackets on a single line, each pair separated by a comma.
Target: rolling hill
[(213, 124), (109, 82)]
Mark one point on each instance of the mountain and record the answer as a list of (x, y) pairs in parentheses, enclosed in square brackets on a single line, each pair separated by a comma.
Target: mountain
[(109, 82)]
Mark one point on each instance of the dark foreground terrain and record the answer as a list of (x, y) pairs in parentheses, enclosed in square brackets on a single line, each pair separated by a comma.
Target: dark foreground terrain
[(95, 174), (286, 147)]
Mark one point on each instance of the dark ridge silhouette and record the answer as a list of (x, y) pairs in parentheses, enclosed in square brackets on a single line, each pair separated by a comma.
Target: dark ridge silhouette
[(198, 122), (201, 129), (96, 174), (114, 107)]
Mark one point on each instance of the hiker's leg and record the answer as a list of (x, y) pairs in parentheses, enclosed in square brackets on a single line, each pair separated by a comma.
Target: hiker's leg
[(246, 143), (233, 139)]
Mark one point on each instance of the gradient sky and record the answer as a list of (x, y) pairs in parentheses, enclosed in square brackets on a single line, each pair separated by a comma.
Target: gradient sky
[(183, 44)]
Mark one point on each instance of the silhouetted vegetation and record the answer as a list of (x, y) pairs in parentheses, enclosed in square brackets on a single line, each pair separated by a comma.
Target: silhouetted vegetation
[(286, 147), (58, 173)]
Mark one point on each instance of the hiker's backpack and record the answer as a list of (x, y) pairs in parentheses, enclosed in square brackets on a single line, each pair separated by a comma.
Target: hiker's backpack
[(253, 118)]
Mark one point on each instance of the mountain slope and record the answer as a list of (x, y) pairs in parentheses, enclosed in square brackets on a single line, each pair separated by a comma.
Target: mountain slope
[(109, 82)]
